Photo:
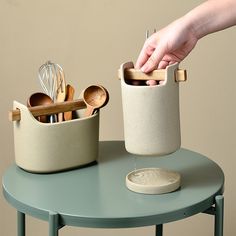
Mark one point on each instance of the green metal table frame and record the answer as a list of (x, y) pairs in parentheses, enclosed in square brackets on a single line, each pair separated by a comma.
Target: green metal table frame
[(96, 196)]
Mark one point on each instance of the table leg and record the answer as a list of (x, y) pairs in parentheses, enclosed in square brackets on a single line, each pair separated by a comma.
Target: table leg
[(219, 215), (53, 224), (159, 230), (20, 223)]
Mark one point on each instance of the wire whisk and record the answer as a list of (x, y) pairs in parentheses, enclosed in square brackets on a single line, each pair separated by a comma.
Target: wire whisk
[(50, 79)]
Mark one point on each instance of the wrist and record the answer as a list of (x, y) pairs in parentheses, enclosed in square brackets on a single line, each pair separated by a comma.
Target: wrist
[(193, 26), (210, 17)]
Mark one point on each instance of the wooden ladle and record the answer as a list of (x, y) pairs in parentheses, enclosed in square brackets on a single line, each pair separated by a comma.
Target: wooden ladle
[(95, 97), (37, 99)]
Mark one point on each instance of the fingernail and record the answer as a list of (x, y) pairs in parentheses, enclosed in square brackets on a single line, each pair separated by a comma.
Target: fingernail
[(137, 66), (144, 68)]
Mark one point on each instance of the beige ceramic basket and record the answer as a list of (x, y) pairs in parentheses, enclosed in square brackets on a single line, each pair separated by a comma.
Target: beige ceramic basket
[(44, 147), (151, 114)]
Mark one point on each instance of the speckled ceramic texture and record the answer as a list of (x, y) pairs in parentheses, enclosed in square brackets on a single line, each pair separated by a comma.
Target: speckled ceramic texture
[(157, 181), (151, 115), (45, 147)]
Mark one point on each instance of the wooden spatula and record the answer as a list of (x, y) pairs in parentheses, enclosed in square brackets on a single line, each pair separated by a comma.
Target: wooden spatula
[(69, 97)]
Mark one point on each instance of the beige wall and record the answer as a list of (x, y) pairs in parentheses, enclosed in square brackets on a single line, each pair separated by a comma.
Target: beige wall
[(90, 39)]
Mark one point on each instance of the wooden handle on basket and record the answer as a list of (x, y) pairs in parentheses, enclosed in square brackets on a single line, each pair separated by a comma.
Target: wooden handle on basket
[(180, 75), (50, 109)]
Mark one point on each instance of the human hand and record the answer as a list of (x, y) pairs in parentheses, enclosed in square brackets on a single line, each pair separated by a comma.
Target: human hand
[(167, 46)]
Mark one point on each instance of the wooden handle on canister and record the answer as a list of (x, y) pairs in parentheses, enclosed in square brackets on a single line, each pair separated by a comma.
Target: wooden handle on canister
[(133, 74), (15, 115)]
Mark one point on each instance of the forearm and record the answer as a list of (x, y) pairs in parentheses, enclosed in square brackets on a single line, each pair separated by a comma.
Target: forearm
[(211, 16)]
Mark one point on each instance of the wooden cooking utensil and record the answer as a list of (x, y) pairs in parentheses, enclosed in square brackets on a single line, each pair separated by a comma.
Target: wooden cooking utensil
[(69, 97), (95, 97), (38, 99), (15, 115), (61, 91)]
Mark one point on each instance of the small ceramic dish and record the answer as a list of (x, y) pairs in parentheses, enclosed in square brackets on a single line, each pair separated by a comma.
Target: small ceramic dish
[(153, 181)]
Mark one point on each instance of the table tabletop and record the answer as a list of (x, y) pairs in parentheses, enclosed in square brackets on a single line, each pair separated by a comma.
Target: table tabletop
[(97, 196)]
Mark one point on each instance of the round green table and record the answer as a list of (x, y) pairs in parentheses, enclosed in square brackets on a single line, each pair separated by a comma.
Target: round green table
[(96, 196)]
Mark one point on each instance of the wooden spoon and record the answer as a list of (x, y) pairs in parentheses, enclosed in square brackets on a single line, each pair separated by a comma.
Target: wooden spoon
[(38, 99), (95, 97), (69, 97)]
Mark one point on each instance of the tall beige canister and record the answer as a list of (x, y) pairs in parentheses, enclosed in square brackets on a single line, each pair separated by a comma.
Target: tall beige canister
[(151, 114)]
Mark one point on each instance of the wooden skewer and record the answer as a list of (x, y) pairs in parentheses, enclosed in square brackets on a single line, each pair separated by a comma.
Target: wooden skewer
[(15, 115), (133, 74)]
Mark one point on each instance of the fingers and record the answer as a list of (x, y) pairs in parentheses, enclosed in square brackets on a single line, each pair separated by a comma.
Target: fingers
[(144, 55), (151, 82), (153, 61), (163, 64)]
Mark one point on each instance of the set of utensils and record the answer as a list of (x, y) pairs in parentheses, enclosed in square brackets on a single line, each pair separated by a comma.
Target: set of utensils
[(57, 103), (52, 79)]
